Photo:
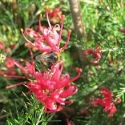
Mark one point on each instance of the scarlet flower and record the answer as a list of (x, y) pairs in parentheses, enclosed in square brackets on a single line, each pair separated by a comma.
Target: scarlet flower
[(95, 53), (52, 87), (107, 101), (47, 39)]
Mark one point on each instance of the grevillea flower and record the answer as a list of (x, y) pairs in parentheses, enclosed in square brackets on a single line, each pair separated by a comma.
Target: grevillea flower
[(95, 53), (47, 39), (107, 101), (52, 87)]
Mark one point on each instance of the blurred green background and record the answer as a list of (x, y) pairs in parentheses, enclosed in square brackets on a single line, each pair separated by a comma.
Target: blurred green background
[(103, 20)]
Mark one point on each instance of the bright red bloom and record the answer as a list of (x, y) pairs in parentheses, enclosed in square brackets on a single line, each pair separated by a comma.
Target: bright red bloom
[(52, 88), (95, 53), (47, 39), (107, 101)]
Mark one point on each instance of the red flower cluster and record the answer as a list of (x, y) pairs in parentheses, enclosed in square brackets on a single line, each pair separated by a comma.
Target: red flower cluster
[(47, 39), (95, 53), (107, 101), (50, 87)]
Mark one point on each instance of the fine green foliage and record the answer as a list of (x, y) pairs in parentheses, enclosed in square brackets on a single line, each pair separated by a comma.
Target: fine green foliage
[(103, 21), (30, 113)]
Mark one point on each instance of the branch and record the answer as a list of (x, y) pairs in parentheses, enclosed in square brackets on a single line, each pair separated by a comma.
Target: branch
[(77, 19), (79, 27)]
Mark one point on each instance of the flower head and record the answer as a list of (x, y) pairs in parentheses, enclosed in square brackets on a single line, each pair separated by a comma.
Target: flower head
[(52, 87), (95, 53), (107, 101), (47, 39)]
